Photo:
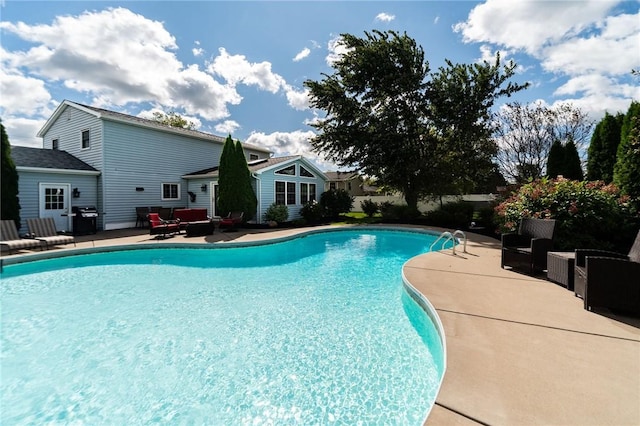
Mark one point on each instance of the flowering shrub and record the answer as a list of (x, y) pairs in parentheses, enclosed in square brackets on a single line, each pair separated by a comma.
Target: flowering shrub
[(588, 214)]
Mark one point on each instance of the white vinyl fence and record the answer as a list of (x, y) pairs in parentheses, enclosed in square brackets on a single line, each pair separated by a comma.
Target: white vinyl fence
[(477, 199)]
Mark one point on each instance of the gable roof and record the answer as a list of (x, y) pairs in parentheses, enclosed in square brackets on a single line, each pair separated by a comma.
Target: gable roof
[(105, 114), (341, 176), (38, 158), (259, 166)]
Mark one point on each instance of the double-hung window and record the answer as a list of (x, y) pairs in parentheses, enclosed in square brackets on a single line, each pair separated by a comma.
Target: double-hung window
[(170, 191), (307, 192), (285, 193), (86, 142)]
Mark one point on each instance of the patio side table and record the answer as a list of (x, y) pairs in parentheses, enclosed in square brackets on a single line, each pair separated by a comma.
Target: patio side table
[(560, 267)]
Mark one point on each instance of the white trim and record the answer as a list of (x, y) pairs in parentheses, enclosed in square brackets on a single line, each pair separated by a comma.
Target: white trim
[(57, 171), (179, 195), (67, 203)]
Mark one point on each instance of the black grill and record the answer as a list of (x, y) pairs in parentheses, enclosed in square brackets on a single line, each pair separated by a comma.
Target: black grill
[(84, 220)]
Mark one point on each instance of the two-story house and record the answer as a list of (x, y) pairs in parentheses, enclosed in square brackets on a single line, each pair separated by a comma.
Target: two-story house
[(117, 162)]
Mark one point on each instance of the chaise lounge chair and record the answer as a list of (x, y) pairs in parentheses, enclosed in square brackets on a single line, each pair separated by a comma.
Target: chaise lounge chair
[(44, 229), (529, 247), (159, 226), (608, 279), (10, 238), (231, 220)]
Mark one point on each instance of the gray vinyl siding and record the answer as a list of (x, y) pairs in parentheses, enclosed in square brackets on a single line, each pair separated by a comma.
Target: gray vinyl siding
[(29, 190), (137, 157), (268, 188), (68, 130)]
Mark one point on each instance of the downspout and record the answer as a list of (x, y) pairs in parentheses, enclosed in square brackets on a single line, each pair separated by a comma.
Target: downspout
[(259, 197)]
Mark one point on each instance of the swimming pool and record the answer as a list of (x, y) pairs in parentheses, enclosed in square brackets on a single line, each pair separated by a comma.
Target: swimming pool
[(316, 329)]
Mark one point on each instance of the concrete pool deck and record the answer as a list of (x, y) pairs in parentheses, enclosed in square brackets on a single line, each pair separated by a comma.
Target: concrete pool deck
[(521, 350)]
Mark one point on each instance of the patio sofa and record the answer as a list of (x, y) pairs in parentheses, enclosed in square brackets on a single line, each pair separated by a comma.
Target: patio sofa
[(195, 221)]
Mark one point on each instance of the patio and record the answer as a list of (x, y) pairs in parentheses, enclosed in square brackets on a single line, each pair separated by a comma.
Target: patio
[(521, 349)]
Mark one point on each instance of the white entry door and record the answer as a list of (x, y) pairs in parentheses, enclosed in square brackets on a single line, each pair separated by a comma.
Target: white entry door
[(55, 202)]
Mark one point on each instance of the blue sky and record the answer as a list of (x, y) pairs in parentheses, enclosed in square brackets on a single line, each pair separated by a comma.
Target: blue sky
[(239, 67)]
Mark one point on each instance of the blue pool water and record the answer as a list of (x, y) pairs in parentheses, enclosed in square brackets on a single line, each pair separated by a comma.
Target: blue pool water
[(314, 330)]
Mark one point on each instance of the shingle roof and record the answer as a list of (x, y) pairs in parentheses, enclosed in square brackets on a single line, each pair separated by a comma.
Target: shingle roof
[(254, 166), (341, 176), (118, 116), (47, 158)]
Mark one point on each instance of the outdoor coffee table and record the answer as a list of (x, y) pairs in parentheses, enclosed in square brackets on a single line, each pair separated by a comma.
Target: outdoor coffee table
[(560, 267), (200, 228)]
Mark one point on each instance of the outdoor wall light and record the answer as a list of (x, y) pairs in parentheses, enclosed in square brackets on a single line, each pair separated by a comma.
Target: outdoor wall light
[(76, 193), (203, 188)]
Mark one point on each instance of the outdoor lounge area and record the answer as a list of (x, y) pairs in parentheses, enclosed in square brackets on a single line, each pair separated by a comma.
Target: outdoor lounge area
[(520, 349)]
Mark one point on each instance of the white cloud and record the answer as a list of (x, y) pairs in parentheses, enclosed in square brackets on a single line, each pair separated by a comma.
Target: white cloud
[(297, 99), (290, 143), (573, 39), (119, 57), (385, 17), (22, 131), (227, 127), (608, 52), (237, 69), (336, 49), (436, 20), (197, 51), (530, 25), (302, 54)]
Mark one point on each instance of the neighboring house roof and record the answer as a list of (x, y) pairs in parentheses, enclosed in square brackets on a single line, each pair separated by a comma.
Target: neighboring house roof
[(26, 158), (105, 114), (258, 167), (341, 176)]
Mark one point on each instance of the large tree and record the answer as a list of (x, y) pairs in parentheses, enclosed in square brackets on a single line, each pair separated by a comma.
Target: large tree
[(10, 207), (526, 132), (627, 169), (387, 118), (603, 148), (173, 119)]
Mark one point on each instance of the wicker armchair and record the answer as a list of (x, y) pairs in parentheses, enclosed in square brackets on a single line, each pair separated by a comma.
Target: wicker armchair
[(608, 279), (528, 247)]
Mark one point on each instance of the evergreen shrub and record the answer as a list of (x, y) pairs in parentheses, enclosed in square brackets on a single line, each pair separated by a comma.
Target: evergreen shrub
[(312, 212), (369, 207), (277, 213)]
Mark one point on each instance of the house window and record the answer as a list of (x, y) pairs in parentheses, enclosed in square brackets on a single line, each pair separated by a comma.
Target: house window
[(290, 171), (332, 185), (170, 191), (307, 192), (306, 173), (54, 144), (349, 186), (285, 193), (253, 157), (53, 198), (85, 139)]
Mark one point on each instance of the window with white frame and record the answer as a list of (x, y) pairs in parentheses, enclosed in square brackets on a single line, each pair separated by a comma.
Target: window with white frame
[(54, 144), (253, 157), (86, 142), (307, 192), (285, 193), (170, 191), (306, 173), (290, 171)]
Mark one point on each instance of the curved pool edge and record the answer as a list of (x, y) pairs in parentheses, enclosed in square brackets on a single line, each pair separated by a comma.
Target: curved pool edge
[(430, 310), (420, 299)]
